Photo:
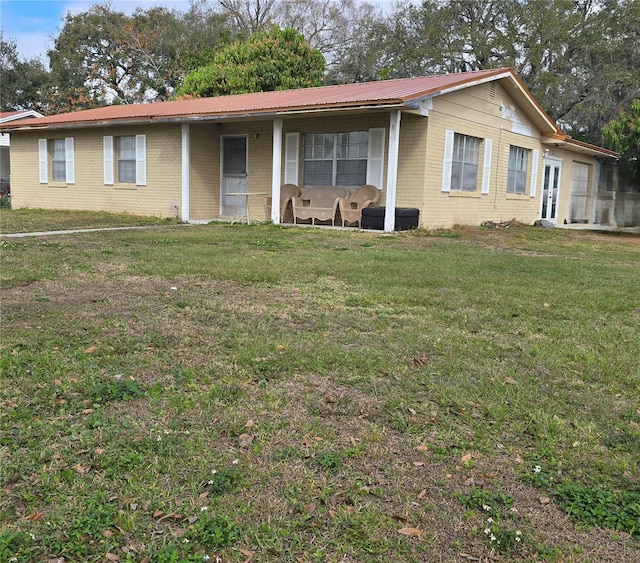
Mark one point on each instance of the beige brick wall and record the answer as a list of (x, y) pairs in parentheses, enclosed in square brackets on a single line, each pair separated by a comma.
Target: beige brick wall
[(483, 111), (479, 112), (160, 197), (204, 172)]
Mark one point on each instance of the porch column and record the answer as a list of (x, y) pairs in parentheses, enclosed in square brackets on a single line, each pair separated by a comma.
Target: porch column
[(392, 170), (276, 168), (186, 158)]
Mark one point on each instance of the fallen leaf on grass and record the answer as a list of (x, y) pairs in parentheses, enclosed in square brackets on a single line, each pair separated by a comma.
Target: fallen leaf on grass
[(36, 516), (421, 360), (112, 557), (465, 458), (422, 448), (422, 494), (410, 532), (90, 350), (510, 381), (544, 500), (418, 463), (244, 440), (82, 469)]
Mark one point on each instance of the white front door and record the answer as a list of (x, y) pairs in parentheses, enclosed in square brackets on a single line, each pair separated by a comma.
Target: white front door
[(234, 176), (550, 189)]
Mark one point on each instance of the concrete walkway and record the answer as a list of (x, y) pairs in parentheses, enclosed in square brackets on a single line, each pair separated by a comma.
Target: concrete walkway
[(575, 226), (74, 231)]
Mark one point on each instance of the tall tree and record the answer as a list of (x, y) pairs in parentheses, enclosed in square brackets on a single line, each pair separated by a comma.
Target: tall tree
[(23, 83), (333, 27), (104, 56), (580, 58), (623, 135), (275, 60), (250, 16)]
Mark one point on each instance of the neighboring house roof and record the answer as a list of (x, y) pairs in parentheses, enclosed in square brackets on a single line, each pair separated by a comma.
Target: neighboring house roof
[(7, 116), (405, 93)]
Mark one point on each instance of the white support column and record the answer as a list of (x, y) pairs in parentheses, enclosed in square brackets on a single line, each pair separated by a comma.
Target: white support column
[(276, 171), (392, 170), (186, 160)]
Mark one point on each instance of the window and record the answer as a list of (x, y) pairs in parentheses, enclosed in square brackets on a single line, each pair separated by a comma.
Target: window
[(56, 160), (464, 163), (127, 160), (517, 177), (336, 159)]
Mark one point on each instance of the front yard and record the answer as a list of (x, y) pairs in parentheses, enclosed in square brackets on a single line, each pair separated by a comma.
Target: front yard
[(257, 393)]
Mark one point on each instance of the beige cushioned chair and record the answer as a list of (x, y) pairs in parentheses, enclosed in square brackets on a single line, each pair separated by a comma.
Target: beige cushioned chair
[(287, 193), (351, 207)]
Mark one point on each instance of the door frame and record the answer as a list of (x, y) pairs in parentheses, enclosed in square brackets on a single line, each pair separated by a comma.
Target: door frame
[(241, 204), (551, 161)]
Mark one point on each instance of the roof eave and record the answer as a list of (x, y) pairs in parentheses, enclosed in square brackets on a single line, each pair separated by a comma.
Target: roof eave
[(561, 140), (261, 114)]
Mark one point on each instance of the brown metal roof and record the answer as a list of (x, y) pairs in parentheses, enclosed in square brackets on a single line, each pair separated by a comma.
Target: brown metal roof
[(366, 94)]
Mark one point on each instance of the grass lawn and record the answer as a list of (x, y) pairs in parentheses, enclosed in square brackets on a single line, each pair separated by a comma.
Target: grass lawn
[(257, 393), (40, 220)]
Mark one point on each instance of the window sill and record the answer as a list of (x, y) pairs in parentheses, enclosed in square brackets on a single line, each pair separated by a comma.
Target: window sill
[(462, 193)]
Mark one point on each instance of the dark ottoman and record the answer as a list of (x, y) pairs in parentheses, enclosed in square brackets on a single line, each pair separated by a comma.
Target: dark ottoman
[(406, 218)]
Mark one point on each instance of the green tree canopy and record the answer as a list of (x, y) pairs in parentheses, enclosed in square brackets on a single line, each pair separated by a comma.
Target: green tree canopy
[(623, 135), (104, 56), (24, 84), (279, 59)]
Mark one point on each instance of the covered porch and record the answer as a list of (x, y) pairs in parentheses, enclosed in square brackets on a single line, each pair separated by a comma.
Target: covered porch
[(233, 169)]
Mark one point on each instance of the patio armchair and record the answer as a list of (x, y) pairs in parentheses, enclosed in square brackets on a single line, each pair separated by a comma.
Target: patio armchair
[(287, 193), (351, 207)]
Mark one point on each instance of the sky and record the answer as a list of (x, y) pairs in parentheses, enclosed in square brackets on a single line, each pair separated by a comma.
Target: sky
[(34, 24)]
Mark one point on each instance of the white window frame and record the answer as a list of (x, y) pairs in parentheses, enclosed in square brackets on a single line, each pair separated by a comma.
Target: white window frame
[(46, 162), (335, 157), (464, 162), (126, 175), (517, 170), (451, 140), (109, 158)]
